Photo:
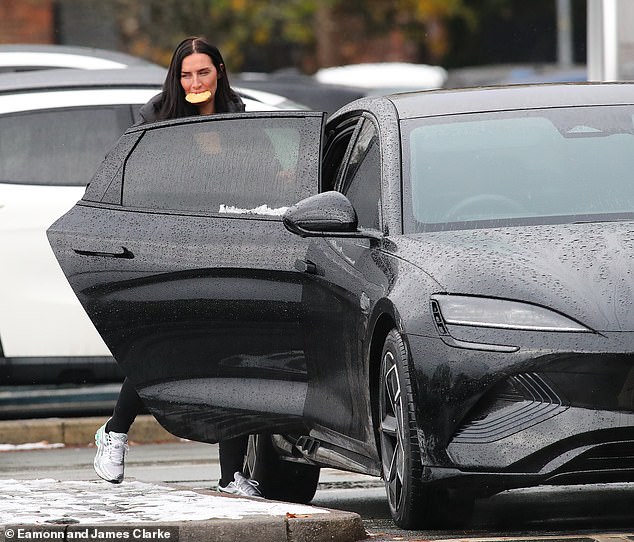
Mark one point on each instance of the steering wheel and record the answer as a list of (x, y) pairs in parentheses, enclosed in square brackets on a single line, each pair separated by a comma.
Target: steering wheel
[(474, 207)]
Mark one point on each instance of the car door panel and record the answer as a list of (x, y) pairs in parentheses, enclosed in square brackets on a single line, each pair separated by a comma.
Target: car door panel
[(203, 311), (191, 305), (351, 284)]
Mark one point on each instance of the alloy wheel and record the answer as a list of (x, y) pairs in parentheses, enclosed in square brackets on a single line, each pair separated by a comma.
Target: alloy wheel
[(392, 430)]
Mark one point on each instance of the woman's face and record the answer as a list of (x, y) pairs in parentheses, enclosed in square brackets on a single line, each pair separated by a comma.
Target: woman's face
[(199, 74)]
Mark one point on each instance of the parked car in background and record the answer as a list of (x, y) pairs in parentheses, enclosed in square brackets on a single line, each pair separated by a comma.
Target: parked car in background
[(385, 77), (546, 74), (28, 57), (443, 299), (304, 89), (513, 74), (56, 127)]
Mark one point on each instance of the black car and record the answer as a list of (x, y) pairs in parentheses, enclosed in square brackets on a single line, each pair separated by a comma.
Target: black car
[(449, 306), (304, 89)]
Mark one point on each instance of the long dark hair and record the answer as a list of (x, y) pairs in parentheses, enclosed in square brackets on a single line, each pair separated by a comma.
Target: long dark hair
[(173, 104)]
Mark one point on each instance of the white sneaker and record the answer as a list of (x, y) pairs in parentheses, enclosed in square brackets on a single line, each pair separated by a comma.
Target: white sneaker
[(241, 485), (111, 450)]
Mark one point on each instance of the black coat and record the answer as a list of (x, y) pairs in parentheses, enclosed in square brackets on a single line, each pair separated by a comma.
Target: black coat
[(149, 111)]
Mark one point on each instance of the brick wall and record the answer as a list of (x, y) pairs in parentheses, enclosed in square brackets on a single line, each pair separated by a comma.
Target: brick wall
[(26, 21)]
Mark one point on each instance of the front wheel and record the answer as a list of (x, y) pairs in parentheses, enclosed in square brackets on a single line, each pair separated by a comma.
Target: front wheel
[(412, 503), (400, 455), (279, 479)]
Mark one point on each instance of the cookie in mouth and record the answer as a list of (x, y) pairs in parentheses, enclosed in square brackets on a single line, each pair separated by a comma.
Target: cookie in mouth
[(198, 97)]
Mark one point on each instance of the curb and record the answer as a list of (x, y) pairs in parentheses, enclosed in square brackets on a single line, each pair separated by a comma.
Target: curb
[(334, 527), (77, 431)]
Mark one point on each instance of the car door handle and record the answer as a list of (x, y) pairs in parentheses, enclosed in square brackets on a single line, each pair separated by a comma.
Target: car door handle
[(124, 253), (306, 266)]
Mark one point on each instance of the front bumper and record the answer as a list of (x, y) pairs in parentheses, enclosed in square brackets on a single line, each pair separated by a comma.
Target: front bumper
[(560, 409)]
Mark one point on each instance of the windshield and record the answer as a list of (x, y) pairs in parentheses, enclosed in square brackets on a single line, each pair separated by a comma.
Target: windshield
[(520, 167)]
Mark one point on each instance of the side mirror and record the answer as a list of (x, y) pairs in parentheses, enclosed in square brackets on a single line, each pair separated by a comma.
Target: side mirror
[(329, 214)]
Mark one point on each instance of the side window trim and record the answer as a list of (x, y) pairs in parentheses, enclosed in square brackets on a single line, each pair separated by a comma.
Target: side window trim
[(343, 167), (343, 183), (344, 133)]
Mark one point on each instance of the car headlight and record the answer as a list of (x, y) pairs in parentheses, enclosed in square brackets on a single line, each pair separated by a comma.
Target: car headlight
[(461, 310)]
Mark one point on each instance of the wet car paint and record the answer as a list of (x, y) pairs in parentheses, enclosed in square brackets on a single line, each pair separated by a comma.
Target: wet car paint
[(282, 333)]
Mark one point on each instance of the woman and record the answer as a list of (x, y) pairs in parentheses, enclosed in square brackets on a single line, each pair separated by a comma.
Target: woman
[(196, 67), (196, 84)]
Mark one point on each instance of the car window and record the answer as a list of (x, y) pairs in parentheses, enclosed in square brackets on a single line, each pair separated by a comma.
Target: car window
[(538, 166), (58, 147), (361, 182), (335, 152), (239, 166)]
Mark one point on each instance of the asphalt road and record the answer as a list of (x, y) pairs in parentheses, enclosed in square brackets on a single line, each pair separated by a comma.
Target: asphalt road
[(566, 511)]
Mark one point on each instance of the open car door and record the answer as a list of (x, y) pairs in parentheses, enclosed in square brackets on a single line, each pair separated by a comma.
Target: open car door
[(178, 254)]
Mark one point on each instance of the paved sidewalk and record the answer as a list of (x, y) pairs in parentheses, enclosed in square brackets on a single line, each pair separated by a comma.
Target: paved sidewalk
[(96, 510)]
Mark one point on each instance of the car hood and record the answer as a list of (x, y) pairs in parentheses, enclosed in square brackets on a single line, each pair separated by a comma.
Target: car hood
[(585, 271)]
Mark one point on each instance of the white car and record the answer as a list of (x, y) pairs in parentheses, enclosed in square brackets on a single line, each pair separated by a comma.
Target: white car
[(27, 57), (56, 126), (385, 77)]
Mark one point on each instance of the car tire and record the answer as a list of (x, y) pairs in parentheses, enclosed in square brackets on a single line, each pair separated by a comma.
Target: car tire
[(278, 479), (412, 503)]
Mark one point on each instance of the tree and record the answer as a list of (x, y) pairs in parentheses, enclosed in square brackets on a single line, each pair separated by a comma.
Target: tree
[(308, 34)]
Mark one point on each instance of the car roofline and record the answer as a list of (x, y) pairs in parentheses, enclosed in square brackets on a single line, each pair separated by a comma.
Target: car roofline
[(430, 103), (63, 79), (74, 51)]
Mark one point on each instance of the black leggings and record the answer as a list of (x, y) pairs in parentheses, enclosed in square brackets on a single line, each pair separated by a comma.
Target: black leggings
[(231, 452), (129, 405)]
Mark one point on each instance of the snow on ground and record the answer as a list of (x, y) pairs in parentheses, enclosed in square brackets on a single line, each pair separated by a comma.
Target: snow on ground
[(47, 501), (43, 445)]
